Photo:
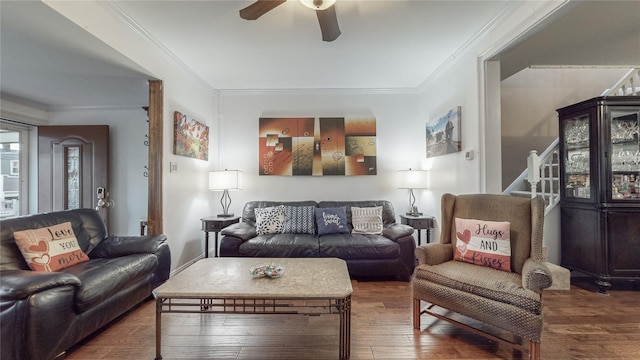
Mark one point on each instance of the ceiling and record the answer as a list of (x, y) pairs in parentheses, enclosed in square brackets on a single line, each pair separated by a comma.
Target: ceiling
[(48, 61)]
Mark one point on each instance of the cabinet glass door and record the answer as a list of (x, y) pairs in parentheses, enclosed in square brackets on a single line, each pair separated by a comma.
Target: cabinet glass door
[(576, 157), (625, 155)]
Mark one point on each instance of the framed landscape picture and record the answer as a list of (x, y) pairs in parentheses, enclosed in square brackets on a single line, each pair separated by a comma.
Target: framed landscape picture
[(190, 137), (443, 134)]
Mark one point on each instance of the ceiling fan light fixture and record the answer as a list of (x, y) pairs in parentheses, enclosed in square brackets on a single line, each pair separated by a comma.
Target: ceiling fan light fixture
[(318, 4)]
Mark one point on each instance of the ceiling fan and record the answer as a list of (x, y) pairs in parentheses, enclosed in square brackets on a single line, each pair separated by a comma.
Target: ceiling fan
[(325, 11)]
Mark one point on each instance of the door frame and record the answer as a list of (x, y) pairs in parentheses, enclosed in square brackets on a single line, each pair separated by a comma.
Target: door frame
[(154, 210)]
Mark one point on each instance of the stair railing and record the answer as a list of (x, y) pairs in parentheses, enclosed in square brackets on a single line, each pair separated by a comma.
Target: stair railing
[(628, 85), (544, 170)]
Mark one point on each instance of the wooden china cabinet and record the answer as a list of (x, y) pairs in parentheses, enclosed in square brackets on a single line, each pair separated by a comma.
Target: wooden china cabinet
[(600, 201)]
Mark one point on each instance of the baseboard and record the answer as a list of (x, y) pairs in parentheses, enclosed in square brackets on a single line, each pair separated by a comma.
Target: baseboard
[(186, 265)]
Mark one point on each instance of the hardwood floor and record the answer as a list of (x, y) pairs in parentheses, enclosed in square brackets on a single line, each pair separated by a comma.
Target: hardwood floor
[(578, 324)]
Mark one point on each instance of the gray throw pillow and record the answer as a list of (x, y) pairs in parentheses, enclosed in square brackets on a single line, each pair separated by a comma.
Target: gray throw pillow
[(299, 220), (332, 220)]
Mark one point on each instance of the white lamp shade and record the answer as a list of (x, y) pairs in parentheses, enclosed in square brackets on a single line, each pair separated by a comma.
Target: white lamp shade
[(318, 4), (225, 180), (413, 179)]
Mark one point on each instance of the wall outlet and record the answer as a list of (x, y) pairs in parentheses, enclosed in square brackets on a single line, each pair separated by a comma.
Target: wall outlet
[(173, 167)]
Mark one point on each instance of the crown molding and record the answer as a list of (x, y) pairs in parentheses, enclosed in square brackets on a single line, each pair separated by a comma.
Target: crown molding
[(484, 31), (143, 33), (97, 107), (121, 15), (321, 91)]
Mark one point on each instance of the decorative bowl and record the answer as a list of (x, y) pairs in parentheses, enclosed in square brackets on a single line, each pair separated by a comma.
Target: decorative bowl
[(267, 270)]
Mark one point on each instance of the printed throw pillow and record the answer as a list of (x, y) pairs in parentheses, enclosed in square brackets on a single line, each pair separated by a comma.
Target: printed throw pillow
[(269, 220), (366, 220), (299, 220), (50, 248), (485, 243), (332, 221)]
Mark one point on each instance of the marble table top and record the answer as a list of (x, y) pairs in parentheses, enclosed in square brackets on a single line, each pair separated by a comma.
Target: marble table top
[(227, 277)]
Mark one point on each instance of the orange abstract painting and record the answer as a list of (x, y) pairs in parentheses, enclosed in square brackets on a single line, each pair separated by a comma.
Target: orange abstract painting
[(317, 146)]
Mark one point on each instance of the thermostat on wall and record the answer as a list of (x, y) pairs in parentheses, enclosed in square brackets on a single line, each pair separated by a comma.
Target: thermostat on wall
[(468, 155)]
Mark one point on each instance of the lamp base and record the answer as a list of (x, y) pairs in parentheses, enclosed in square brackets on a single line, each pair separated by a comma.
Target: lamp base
[(414, 213), (225, 215)]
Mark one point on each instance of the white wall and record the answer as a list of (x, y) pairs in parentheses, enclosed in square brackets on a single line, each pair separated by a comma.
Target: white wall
[(462, 81), (185, 195), (400, 144), (128, 156)]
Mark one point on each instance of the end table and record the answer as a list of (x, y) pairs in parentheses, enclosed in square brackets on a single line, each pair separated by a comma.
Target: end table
[(215, 224), (419, 223)]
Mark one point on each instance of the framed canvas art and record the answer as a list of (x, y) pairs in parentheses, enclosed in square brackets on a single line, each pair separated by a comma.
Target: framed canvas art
[(190, 137), (443, 134), (317, 146)]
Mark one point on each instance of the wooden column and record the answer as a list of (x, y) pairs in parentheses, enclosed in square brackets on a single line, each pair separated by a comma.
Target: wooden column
[(155, 157)]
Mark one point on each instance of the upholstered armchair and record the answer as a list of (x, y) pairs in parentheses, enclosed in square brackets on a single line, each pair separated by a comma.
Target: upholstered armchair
[(507, 301)]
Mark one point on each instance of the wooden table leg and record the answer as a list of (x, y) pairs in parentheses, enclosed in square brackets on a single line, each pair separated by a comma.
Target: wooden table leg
[(345, 328), (206, 244)]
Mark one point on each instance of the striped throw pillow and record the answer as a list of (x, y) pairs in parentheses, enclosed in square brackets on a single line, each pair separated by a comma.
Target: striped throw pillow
[(366, 220)]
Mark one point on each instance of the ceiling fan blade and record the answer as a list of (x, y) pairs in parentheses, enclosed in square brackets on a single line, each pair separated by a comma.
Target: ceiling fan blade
[(259, 8), (328, 23)]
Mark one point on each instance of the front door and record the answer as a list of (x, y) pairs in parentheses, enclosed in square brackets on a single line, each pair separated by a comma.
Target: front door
[(73, 168)]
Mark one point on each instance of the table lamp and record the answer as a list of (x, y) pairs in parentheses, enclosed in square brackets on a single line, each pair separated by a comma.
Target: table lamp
[(225, 180), (413, 179)]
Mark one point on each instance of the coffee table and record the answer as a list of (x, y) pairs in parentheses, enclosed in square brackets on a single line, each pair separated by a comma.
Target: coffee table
[(224, 286)]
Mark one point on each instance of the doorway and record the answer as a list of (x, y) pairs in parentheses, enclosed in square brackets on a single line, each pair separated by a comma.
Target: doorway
[(73, 168)]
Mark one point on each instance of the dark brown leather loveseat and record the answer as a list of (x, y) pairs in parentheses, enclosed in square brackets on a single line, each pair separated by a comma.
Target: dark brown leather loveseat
[(42, 314), (388, 255)]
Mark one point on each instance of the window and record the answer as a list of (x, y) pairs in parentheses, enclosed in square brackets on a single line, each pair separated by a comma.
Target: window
[(13, 169)]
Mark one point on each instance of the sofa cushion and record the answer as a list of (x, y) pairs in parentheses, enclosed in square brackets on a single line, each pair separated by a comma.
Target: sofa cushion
[(484, 243), (367, 220), (299, 220), (269, 220), (281, 245), (102, 278), (358, 246), (50, 248), (332, 220)]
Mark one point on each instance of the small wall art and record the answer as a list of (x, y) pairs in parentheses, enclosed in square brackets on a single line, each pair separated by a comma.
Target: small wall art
[(443, 134), (317, 146), (190, 137)]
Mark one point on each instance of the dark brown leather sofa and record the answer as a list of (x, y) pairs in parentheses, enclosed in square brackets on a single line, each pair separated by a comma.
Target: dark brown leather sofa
[(42, 314), (390, 255)]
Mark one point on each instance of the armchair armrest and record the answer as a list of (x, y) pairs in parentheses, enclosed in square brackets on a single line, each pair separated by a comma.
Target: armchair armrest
[(396, 231), (19, 284), (115, 246), (434, 253), (535, 276), (242, 231)]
